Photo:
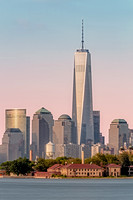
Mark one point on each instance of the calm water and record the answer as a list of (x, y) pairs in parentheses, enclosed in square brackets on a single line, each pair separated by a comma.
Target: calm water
[(85, 189)]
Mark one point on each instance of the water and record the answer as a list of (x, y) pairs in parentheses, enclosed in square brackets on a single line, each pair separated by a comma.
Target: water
[(66, 189)]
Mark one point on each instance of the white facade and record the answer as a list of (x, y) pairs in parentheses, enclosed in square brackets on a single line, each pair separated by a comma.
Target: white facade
[(82, 113), (96, 148), (50, 150)]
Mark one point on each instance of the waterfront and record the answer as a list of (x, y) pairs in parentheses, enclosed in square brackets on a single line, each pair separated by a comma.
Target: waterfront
[(68, 189)]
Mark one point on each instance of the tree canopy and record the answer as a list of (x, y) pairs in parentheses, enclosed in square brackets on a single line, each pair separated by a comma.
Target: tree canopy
[(24, 166)]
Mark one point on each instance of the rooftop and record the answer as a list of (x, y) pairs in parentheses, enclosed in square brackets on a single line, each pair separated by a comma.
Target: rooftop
[(82, 166), (13, 130), (43, 111), (64, 117), (113, 165), (119, 121), (56, 166)]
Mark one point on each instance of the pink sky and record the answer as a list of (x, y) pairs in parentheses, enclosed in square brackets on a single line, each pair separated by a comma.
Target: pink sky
[(38, 40)]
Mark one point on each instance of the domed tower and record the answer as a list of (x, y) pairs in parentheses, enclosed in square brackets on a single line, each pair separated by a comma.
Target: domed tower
[(118, 134), (64, 131)]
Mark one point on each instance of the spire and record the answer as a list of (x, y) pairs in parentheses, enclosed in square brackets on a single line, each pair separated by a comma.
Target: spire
[(82, 34)]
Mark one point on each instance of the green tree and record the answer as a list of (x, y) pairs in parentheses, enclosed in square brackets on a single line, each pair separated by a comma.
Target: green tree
[(98, 159), (6, 166), (124, 159), (125, 162), (21, 166), (74, 161), (131, 159), (112, 159), (61, 160), (43, 164)]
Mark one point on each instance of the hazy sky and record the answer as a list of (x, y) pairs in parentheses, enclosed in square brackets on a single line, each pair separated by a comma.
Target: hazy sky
[(38, 39)]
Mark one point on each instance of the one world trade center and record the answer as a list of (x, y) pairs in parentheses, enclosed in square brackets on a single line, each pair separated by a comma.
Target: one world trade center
[(82, 108)]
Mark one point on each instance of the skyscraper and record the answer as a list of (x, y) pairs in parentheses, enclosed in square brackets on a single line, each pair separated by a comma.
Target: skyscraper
[(96, 120), (12, 145), (64, 130), (82, 110), (42, 131), (118, 134), (16, 118)]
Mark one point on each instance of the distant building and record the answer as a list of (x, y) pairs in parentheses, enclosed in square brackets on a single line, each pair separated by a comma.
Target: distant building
[(64, 131), (101, 139), (82, 170), (12, 145), (55, 169), (16, 118), (42, 131), (128, 150), (100, 148), (72, 150), (87, 150), (96, 120), (118, 134), (113, 170), (130, 170), (131, 137), (96, 148), (68, 150), (49, 151)]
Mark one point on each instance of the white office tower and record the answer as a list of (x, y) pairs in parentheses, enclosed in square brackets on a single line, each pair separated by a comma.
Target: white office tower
[(82, 113)]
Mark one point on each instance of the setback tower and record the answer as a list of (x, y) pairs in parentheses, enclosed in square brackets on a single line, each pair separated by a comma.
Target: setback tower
[(82, 109)]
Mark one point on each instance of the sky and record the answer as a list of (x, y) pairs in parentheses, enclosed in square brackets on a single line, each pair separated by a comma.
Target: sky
[(38, 39)]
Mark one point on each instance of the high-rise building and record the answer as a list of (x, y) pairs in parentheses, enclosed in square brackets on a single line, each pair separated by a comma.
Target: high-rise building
[(12, 145), (64, 131), (96, 120), (68, 150), (82, 111), (131, 137), (16, 118), (118, 134), (42, 131)]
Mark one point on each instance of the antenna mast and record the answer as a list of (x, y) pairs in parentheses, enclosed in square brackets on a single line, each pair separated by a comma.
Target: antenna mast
[(82, 34)]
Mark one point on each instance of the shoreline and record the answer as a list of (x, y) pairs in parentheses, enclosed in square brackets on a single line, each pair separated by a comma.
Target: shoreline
[(55, 178)]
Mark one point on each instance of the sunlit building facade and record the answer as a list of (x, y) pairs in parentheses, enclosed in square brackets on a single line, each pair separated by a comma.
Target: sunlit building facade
[(16, 118), (82, 110)]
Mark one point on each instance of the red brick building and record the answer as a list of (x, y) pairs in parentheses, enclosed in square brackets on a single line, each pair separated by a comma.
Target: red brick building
[(113, 170), (82, 170), (55, 169)]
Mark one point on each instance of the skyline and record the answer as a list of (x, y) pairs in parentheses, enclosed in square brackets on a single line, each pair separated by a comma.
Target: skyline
[(38, 41)]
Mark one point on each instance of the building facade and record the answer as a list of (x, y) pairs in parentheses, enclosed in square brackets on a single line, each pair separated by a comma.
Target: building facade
[(16, 118), (64, 131), (68, 150), (118, 134), (113, 170), (96, 120), (12, 145), (82, 170), (82, 110), (42, 133)]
